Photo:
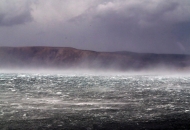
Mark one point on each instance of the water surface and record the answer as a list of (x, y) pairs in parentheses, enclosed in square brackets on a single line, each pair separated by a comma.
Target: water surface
[(60, 100)]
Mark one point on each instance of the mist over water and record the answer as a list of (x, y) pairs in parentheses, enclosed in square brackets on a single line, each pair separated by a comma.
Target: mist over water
[(160, 70), (115, 96)]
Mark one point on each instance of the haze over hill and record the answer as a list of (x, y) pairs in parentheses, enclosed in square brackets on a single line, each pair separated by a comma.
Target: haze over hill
[(65, 57)]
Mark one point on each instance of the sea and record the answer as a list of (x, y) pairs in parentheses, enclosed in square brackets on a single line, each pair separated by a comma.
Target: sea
[(87, 101)]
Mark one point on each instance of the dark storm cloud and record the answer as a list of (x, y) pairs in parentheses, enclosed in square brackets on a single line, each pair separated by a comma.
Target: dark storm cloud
[(158, 26), (13, 12), (14, 20), (182, 30)]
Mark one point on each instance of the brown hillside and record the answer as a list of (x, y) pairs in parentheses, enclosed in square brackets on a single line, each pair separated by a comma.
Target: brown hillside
[(65, 57)]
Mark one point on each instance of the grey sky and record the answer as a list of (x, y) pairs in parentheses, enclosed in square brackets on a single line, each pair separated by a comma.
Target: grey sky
[(160, 26)]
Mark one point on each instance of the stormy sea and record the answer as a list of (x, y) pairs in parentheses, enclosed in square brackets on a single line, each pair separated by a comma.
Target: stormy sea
[(39, 101)]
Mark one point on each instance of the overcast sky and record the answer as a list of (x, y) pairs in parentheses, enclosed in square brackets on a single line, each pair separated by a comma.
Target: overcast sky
[(159, 26)]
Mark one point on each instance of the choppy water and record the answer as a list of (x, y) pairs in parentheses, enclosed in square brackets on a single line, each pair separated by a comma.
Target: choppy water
[(114, 97)]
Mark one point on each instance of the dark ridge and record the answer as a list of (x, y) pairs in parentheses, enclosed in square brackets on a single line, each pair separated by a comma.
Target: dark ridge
[(67, 57)]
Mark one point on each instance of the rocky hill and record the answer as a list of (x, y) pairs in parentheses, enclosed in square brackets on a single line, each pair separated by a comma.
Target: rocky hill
[(65, 57)]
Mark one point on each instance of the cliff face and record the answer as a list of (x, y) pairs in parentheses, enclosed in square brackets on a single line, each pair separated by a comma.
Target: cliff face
[(73, 58)]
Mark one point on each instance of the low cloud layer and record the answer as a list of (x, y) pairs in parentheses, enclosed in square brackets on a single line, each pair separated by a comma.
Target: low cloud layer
[(157, 26), (14, 12)]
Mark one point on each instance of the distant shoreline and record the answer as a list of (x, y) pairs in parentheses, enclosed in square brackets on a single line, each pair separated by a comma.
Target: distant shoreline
[(71, 58)]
